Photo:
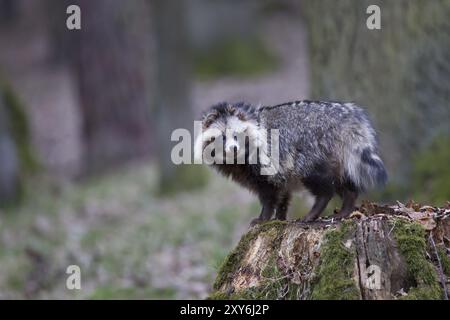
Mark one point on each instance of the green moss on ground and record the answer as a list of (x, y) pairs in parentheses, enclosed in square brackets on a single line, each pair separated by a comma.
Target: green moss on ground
[(274, 285), (335, 274), (410, 237)]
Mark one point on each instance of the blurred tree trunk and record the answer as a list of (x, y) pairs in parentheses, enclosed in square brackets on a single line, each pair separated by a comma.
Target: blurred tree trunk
[(9, 161), (8, 10), (62, 41), (173, 101), (112, 82), (400, 73)]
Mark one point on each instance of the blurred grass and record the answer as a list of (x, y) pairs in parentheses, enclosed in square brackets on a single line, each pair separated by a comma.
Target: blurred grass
[(128, 242), (235, 57)]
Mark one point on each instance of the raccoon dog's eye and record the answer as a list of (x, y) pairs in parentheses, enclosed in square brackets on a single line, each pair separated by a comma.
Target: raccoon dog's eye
[(207, 123)]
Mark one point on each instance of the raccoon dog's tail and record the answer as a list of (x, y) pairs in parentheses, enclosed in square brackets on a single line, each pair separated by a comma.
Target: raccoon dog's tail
[(365, 169)]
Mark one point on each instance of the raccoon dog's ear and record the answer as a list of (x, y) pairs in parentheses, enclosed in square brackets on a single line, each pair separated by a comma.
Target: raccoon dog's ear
[(208, 119), (231, 109)]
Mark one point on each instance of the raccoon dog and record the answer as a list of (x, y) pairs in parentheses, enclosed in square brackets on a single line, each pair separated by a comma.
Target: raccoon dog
[(327, 147)]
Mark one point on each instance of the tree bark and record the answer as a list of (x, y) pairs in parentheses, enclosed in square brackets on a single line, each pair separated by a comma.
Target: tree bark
[(111, 59), (173, 100), (380, 253), (8, 11), (407, 67)]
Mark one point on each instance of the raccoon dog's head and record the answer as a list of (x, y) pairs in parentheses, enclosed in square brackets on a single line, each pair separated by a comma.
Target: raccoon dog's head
[(230, 130)]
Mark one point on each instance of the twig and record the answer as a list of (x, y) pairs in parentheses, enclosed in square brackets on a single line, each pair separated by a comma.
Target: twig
[(441, 271), (395, 221)]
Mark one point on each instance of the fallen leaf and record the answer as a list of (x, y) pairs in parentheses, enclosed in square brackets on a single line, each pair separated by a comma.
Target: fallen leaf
[(427, 208), (357, 214), (424, 218)]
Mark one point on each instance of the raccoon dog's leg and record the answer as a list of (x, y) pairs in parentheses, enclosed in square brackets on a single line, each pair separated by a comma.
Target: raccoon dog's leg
[(266, 213), (319, 205), (268, 198), (283, 205), (348, 203), (321, 184)]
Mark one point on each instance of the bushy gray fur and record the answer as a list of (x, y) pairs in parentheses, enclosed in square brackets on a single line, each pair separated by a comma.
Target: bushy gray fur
[(327, 147)]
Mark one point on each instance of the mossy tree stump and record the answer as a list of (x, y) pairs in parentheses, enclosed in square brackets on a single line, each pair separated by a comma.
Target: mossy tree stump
[(381, 252)]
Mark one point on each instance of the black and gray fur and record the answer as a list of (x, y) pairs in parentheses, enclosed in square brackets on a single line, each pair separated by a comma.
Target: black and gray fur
[(328, 147)]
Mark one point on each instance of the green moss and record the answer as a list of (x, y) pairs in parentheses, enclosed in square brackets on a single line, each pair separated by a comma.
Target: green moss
[(410, 237), (235, 57), (334, 279), (274, 285), (277, 289), (445, 260), (423, 293), (232, 261), (335, 273)]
